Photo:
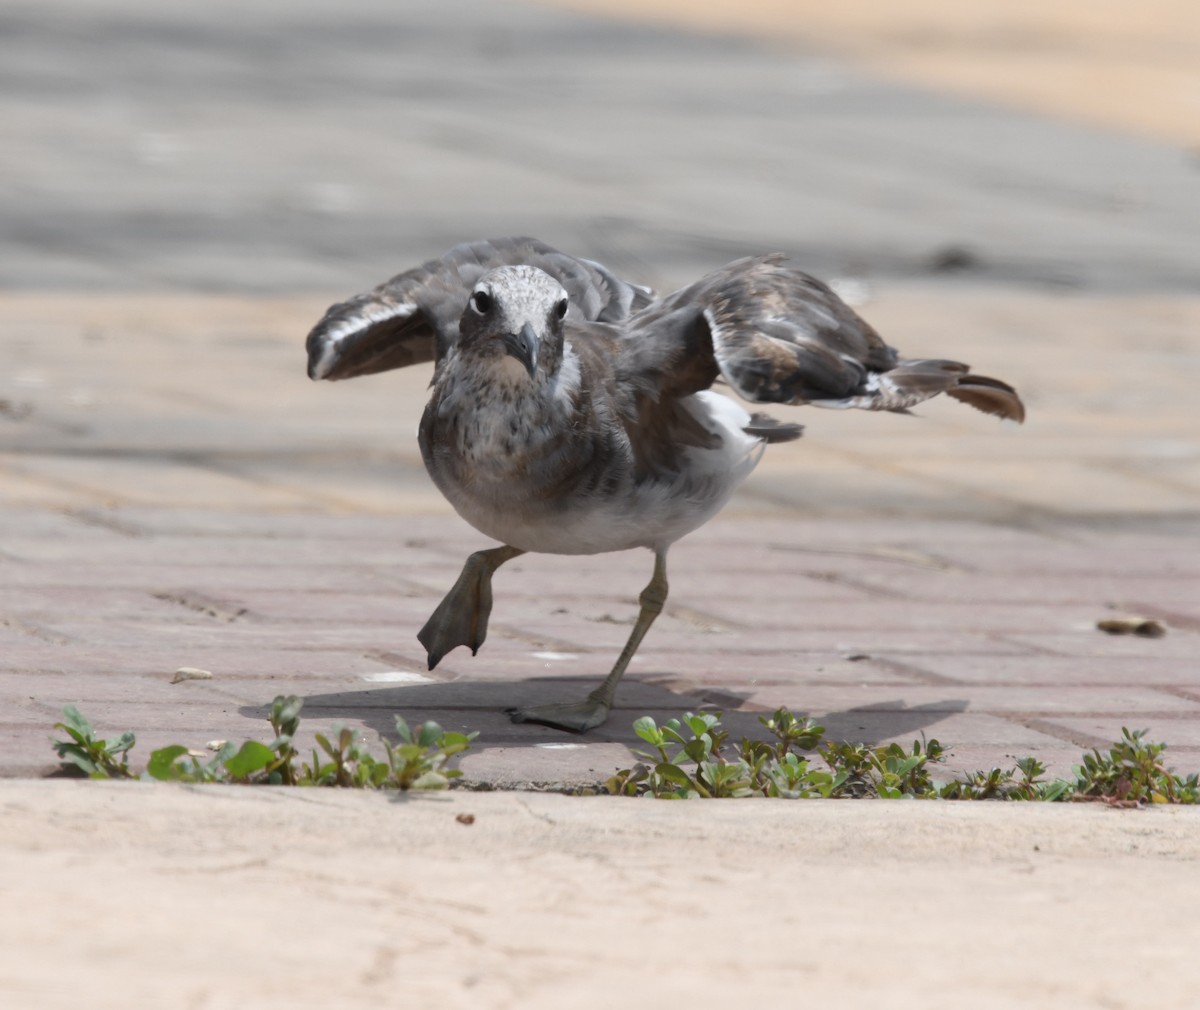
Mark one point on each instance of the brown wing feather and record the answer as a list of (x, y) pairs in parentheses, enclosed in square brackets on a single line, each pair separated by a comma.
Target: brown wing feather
[(369, 333), (778, 335)]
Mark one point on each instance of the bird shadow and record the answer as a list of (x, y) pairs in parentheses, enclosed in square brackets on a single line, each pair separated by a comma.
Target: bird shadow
[(481, 706)]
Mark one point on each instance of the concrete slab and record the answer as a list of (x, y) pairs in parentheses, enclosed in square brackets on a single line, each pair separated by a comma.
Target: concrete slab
[(545, 901)]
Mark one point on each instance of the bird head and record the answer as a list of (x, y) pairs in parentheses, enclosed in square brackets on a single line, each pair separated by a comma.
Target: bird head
[(516, 312)]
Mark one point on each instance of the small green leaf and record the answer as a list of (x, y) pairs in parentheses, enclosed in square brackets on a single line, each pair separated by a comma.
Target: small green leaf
[(430, 780), (699, 749), (671, 734), (429, 734), (408, 752), (674, 774), (70, 754), (402, 730), (455, 743), (646, 728), (73, 733), (285, 713), (253, 756), (162, 765), (74, 720), (123, 743)]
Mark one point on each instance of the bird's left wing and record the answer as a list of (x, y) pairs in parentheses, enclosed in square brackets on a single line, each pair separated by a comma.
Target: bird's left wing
[(777, 335), (414, 317)]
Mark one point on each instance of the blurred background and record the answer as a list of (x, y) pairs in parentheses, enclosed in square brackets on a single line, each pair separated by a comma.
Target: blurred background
[(1114, 64), (294, 146), (184, 188)]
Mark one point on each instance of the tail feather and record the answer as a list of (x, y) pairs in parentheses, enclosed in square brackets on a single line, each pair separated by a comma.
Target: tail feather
[(912, 382), (989, 395)]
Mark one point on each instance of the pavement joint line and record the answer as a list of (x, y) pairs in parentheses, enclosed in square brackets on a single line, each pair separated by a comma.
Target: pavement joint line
[(1032, 648), (1084, 741), (911, 670)]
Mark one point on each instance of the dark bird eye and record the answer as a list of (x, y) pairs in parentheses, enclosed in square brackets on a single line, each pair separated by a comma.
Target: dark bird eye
[(561, 309), (482, 302)]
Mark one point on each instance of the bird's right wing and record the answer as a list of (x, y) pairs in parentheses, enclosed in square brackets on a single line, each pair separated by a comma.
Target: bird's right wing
[(414, 317)]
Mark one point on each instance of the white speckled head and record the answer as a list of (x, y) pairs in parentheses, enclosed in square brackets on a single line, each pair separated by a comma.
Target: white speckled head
[(520, 294), (518, 310)]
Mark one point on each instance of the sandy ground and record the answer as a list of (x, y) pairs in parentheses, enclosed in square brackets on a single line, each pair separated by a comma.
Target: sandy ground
[(1132, 66), (215, 898)]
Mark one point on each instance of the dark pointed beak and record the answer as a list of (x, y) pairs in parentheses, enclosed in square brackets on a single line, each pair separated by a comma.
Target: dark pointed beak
[(524, 347)]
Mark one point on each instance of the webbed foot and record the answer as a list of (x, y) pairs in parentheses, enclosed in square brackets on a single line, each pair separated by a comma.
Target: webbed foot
[(462, 616), (574, 717)]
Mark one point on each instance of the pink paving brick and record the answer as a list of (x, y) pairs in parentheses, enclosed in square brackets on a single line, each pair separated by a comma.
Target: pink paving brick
[(861, 580)]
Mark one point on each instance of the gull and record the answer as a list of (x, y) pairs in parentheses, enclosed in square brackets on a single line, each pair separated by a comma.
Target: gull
[(572, 412)]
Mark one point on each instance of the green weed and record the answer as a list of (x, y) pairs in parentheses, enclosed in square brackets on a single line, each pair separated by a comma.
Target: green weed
[(688, 757), (692, 757), (1132, 772), (418, 760), (98, 759)]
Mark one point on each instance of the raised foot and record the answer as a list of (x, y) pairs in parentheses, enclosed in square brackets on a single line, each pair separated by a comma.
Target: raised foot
[(574, 717), (460, 619)]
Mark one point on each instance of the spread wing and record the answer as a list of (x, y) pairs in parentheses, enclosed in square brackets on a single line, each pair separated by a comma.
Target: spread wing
[(414, 317), (777, 335)]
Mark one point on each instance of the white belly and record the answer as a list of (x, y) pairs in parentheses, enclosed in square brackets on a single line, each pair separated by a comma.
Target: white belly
[(650, 513)]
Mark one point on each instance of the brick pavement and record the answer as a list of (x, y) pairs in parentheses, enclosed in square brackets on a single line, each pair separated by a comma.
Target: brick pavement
[(891, 576), (175, 493)]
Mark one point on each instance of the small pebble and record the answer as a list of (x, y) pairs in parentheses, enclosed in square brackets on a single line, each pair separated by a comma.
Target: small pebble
[(190, 673), (1144, 627), (465, 818)]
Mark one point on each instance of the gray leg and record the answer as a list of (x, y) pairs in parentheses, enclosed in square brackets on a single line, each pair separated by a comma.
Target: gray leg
[(580, 716), (462, 617)]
